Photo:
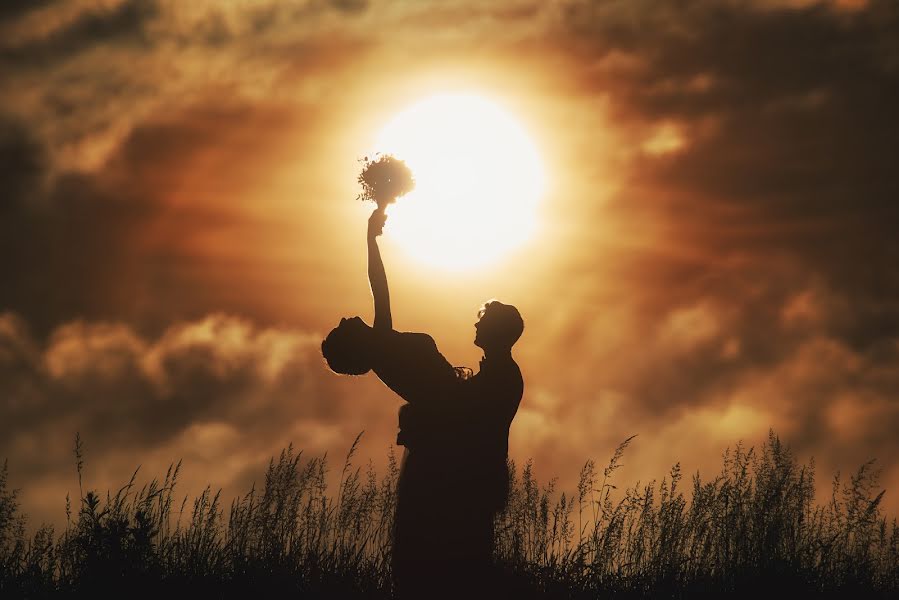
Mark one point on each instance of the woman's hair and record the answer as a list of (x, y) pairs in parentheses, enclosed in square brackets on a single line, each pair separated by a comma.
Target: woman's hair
[(346, 349)]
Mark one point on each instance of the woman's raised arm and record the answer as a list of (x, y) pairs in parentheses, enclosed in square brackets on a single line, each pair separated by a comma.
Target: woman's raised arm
[(377, 277)]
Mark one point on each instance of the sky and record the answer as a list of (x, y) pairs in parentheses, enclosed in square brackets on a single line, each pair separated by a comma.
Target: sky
[(716, 251)]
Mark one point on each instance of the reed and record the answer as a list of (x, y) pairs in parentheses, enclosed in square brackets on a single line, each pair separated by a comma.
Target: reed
[(752, 528)]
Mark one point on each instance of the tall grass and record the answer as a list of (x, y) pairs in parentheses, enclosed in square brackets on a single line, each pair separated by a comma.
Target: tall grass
[(753, 528)]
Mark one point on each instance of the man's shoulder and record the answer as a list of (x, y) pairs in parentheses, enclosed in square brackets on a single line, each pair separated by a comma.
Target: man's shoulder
[(507, 367), (499, 375)]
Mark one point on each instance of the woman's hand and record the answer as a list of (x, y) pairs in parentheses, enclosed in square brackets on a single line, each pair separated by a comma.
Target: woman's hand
[(376, 223)]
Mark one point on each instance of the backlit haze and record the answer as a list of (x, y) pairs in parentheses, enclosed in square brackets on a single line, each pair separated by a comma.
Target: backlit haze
[(478, 180), (692, 204)]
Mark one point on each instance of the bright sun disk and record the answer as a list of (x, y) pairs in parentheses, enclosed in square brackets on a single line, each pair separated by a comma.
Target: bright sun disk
[(478, 180)]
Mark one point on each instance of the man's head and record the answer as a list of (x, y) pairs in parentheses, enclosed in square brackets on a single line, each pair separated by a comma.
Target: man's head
[(347, 349), (499, 326)]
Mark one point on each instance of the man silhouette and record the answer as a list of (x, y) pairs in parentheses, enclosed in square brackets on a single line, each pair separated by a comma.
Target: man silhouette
[(455, 430)]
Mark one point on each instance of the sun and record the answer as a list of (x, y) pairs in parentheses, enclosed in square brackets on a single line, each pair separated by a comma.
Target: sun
[(478, 181)]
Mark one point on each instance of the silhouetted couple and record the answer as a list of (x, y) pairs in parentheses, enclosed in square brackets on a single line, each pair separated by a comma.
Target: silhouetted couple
[(455, 430)]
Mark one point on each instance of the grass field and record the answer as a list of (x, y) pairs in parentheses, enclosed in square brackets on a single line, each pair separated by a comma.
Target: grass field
[(752, 529)]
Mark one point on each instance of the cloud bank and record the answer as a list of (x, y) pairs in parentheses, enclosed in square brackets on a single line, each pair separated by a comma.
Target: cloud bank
[(718, 254)]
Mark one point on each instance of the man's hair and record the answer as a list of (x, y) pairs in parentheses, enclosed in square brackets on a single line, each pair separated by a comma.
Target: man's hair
[(346, 348), (507, 324)]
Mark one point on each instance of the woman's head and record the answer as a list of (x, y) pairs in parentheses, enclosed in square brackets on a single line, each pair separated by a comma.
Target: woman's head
[(499, 326), (347, 349)]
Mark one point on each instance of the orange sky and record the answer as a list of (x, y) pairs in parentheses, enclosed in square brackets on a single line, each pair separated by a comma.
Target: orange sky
[(716, 252)]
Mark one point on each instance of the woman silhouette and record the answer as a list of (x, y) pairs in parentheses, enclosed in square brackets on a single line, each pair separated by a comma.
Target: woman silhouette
[(455, 430)]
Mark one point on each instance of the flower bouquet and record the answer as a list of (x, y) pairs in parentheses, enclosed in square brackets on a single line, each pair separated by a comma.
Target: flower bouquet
[(384, 178)]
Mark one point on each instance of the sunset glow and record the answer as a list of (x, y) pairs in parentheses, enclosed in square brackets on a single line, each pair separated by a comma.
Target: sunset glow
[(478, 177), (692, 205)]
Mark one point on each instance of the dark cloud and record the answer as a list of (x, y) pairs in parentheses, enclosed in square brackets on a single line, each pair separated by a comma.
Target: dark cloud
[(771, 281), (67, 251), (82, 76), (788, 131), (12, 9), (130, 393), (62, 241), (801, 99), (203, 389), (23, 164), (350, 6), (116, 26), (750, 278), (112, 244)]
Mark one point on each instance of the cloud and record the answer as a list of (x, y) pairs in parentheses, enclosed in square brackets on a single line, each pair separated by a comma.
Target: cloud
[(219, 391), (759, 170), (101, 24), (165, 230), (131, 155), (132, 392), (720, 252), (85, 74), (15, 8), (753, 283)]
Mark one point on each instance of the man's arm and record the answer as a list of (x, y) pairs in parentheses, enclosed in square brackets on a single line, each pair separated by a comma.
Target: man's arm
[(377, 277)]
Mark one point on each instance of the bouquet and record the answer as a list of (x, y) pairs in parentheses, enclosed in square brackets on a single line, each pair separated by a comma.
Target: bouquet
[(384, 178)]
